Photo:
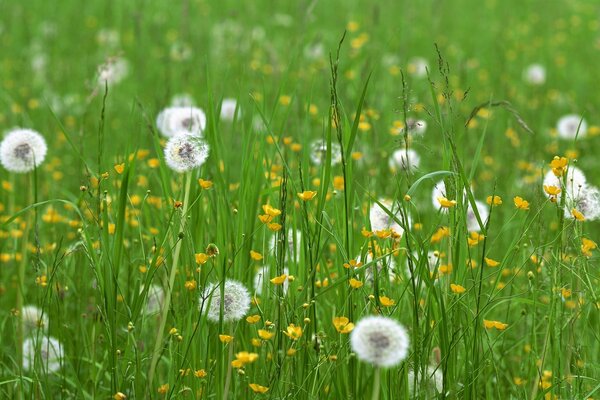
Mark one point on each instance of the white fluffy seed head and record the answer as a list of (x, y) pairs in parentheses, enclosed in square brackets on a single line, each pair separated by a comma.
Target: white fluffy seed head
[(586, 201), (429, 384), (484, 213), (22, 150), (380, 341), (236, 301), (569, 126), (262, 280), (182, 100), (294, 242), (174, 121), (418, 66), (535, 74), (228, 109), (33, 319), (46, 352), (318, 152), (403, 159), (185, 152), (113, 71), (380, 220)]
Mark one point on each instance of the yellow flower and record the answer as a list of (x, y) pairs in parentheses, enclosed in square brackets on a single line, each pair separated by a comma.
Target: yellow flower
[(265, 334), (201, 258), (162, 389), (559, 165), (205, 184), (577, 215), (366, 233), (293, 332), (587, 246), (265, 219), (278, 280), (274, 226), (520, 203), (343, 324), (355, 283), (490, 262), (119, 396), (307, 195), (242, 358), (256, 388), (444, 202), (225, 338), (201, 373), (256, 256), (120, 168), (353, 264), (386, 301), (552, 190), (494, 324), (458, 289), (494, 200), (273, 212), (252, 319)]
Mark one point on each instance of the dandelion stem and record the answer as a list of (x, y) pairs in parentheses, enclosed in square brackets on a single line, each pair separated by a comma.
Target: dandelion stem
[(376, 384)]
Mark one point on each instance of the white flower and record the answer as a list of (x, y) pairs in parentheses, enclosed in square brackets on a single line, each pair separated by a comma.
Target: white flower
[(416, 126), (154, 300), (569, 126), (185, 152), (403, 159), (113, 71), (586, 201), (535, 74), (262, 278), (417, 66), (380, 220), (318, 152), (484, 213), (574, 184), (228, 109), (236, 301), (432, 263), (380, 341), (294, 241), (182, 100), (45, 352), (174, 121), (22, 150), (33, 319)]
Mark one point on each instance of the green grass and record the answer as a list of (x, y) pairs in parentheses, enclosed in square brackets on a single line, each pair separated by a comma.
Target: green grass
[(84, 243)]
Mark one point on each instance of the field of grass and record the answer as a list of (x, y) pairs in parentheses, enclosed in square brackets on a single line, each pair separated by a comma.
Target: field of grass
[(395, 159)]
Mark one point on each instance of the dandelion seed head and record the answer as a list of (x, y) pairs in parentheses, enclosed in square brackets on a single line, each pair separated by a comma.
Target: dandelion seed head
[(586, 201), (113, 71), (185, 152), (568, 127), (154, 300), (575, 182), (535, 74), (318, 152), (228, 109), (262, 277), (184, 100), (33, 319), (380, 341), (403, 159), (236, 301), (380, 220), (48, 353), (173, 121), (484, 213), (22, 150)]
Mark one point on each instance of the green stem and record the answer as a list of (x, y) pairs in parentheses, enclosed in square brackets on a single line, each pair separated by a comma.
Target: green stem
[(167, 302), (376, 384)]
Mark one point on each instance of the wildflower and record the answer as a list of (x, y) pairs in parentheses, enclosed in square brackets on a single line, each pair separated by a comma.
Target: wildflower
[(318, 152), (494, 200), (293, 332), (585, 205), (119, 168), (307, 195), (205, 184), (185, 152), (552, 190), (559, 165), (22, 150), (33, 319), (458, 289), (587, 246), (119, 396), (201, 258), (491, 263), (577, 215), (256, 388), (416, 126), (200, 373), (574, 181), (403, 159), (571, 126), (242, 358), (271, 211), (279, 279), (44, 351), (228, 109), (173, 121), (386, 301), (494, 324), (113, 71), (163, 389), (445, 203), (484, 213), (264, 272), (535, 74), (264, 334), (381, 220), (252, 319), (236, 301), (355, 283), (520, 203), (225, 338), (380, 341), (353, 264), (417, 66), (343, 325)]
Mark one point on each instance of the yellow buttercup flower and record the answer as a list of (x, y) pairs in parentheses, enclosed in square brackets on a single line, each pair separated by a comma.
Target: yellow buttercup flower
[(307, 195), (520, 203)]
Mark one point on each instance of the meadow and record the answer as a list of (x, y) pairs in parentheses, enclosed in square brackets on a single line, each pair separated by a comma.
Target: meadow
[(299, 200)]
